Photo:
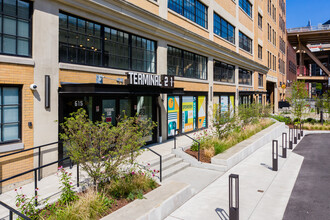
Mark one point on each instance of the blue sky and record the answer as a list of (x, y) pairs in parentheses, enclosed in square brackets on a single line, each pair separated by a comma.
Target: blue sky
[(300, 11)]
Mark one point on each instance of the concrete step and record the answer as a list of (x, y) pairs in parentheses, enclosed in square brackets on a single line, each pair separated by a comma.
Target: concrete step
[(155, 162), (167, 164), (174, 169)]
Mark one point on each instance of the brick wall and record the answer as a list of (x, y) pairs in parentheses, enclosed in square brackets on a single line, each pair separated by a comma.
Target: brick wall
[(13, 74)]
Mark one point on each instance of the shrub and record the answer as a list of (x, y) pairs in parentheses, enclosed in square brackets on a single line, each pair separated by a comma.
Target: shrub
[(130, 186), (286, 120), (91, 205), (67, 195), (101, 148)]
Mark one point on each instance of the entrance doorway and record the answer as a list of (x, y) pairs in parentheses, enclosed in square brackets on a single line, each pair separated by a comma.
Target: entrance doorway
[(270, 96)]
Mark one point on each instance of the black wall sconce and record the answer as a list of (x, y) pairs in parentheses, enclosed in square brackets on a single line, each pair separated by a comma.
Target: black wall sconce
[(47, 91)]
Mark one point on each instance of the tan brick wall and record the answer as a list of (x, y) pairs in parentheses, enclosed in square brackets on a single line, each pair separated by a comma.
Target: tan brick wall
[(191, 86), (229, 5), (13, 74), (85, 77), (147, 5), (224, 43), (245, 20), (179, 20), (223, 88)]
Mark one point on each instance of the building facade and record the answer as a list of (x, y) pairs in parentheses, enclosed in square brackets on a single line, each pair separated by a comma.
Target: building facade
[(168, 60)]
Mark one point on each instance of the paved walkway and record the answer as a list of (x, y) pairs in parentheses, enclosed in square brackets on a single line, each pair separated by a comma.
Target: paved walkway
[(310, 196), (264, 193)]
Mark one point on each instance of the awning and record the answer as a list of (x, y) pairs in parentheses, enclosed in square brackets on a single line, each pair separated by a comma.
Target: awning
[(93, 88)]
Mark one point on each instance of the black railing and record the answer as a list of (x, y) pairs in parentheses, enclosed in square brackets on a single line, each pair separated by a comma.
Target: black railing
[(13, 211), (36, 171), (198, 143), (160, 163)]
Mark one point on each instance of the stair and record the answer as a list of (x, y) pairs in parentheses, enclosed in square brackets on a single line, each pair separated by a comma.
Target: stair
[(170, 166)]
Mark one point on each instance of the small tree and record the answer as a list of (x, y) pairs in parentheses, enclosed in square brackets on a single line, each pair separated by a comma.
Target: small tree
[(100, 148), (298, 99)]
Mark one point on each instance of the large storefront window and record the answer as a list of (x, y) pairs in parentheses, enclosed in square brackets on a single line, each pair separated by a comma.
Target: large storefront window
[(224, 103), (89, 43), (15, 27), (173, 114), (10, 119), (224, 72), (144, 110), (245, 77), (193, 114), (186, 64)]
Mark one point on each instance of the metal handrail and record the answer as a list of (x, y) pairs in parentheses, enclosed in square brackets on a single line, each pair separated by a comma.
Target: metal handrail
[(12, 210), (36, 170), (39, 154), (160, 163), (199, 144)]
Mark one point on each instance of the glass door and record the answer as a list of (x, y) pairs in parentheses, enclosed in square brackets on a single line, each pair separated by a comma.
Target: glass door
[(144, 110), (109, 110)]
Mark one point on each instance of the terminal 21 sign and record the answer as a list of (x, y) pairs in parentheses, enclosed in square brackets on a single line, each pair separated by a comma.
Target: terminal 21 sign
[(144, 79)]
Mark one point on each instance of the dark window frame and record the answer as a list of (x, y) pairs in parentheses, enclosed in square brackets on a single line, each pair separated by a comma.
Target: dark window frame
[(259, 21), (260, 80), (184, 54), (246, 6), (221, 72), (196, 15), (245, 42), (222, 31), (103, 54), (19, 114), (17, 18), (260, 52), (245, 77)]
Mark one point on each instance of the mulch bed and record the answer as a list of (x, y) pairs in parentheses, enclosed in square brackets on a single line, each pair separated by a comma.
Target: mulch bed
[(203, 158)]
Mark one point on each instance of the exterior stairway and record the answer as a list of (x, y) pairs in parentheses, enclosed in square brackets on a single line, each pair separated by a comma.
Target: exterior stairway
[(170, 166)]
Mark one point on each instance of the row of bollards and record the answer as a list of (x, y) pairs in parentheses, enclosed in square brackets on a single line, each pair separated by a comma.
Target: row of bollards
[(294, 134)]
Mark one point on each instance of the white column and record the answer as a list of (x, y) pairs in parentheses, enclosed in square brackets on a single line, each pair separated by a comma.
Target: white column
[(236, 92), (211, 91), (163, 8)]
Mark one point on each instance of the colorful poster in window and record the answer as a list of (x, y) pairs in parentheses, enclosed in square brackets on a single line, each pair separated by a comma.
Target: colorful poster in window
[(224, 103), (173, 111), (232, 105), (201, 112), (188, 113)]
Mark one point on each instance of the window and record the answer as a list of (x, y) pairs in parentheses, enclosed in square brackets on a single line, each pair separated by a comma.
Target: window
[(260, 80), (224, 29), (186, 64), (282, 45), (245, 42), (194, 10), (259, 21), (260, 52), (224, 72), (246, 6), (245, 77), (15, 27), (10, 116), (268, 34), (88, 43)]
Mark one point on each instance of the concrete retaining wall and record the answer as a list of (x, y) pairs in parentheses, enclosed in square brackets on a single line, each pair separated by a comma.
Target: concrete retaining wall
[(240, 151)]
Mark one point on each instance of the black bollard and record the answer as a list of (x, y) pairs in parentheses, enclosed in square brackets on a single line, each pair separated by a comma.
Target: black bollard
[(233, 200), (284, 146), (295, 134), (290, 138), (321, 117), (298, 133), (275, 154), (301, 130)]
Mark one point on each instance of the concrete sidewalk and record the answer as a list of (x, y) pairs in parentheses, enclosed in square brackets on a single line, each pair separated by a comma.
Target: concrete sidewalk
[(264, 193)]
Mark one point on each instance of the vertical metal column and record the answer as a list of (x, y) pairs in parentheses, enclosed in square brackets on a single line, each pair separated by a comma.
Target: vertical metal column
[(301, 130), (284, 146), (275, 155), (295, 134), (321, 117), (233, 200), (298, 132), (290, 138)]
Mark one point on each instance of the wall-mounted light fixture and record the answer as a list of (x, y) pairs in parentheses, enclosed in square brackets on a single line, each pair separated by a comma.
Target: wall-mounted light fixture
[(47, 91)]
